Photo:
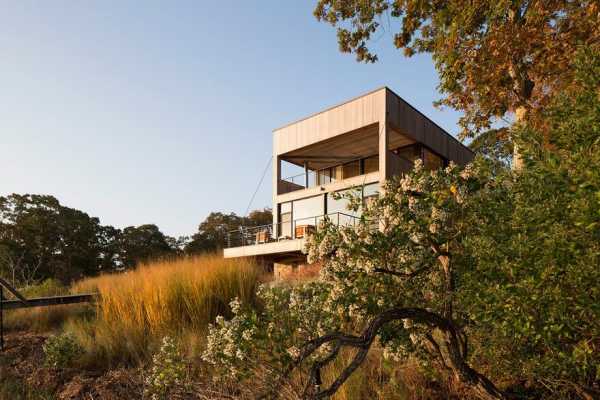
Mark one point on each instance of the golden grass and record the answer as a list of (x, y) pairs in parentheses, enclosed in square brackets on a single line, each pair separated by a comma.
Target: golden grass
[(171, 297)]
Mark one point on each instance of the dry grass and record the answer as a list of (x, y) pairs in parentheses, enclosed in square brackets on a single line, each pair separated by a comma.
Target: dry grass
[(174, 297)]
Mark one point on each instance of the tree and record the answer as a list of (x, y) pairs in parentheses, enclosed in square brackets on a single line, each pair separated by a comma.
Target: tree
[(260, 217), (395, 285), (41, 239), (212, 232), (110, 249), (481, 272), (143, 243), (493, 57), (539, 258)]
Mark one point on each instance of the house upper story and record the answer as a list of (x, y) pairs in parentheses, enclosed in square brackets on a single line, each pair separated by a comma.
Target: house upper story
[(357, 144)]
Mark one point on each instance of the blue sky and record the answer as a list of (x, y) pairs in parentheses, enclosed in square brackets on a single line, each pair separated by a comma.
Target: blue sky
[(161, 113)]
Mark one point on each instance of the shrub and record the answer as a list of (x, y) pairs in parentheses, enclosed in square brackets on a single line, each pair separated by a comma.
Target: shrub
[(61, 350), (168, 371)]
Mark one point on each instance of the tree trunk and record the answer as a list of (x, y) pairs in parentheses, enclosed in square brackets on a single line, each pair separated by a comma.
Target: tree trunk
[(517, 162)]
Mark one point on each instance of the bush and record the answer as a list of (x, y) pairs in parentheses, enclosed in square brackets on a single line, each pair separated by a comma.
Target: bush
[(168, 373), (61, 350)]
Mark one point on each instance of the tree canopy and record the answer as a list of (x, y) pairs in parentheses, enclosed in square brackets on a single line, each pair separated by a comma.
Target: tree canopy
[(212, 232), (41, 238), (493, 57)]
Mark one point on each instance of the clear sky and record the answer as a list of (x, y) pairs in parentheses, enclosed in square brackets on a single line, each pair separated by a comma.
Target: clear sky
[(161, 112)]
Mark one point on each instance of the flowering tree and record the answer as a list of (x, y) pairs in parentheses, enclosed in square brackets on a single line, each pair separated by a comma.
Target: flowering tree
[(390, 278)]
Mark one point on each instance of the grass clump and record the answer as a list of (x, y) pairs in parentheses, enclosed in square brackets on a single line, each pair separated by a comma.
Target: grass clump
[(171, 297)]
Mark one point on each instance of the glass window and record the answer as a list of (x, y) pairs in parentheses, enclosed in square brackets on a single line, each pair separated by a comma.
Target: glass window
[(431, 160), (336, 173), (324, 176), (410, 153), (351, 169), (371, 164), (305, 210), (340, 206), (370, 190), (285, 219)]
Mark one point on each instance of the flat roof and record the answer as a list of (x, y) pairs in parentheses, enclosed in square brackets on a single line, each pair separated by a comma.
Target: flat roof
[(366, 94)]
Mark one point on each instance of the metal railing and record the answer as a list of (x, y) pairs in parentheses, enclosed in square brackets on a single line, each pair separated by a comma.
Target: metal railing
[(296, 229), (318, 177)]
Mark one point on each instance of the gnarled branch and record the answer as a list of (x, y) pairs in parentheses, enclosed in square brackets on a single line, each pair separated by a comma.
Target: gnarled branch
[(482, 386)]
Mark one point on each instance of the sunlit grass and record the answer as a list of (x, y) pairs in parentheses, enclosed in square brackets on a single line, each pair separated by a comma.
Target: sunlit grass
[(178, 297)]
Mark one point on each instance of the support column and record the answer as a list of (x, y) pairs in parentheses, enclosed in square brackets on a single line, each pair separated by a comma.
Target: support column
[(275, 186), (306, 174), (383, 142)]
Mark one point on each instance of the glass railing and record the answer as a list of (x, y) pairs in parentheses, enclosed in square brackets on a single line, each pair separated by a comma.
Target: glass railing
[(297, 229)]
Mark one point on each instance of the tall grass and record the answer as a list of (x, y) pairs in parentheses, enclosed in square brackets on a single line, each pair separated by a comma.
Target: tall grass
[(178, 298)]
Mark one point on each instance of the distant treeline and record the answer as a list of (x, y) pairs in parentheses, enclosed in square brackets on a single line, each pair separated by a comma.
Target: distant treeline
[(40, 238)]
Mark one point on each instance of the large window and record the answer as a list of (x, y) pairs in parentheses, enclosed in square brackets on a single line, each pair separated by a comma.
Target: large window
[(410, 153), (324, 176), (305, 210), (337, 206), (351, 169), (371, 190), (285, 219), (371, 164)]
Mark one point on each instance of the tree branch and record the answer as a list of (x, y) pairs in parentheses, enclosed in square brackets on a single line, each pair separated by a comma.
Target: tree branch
[(482, 386)]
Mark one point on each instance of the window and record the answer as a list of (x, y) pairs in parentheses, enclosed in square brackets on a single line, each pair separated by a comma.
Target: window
[(337, 209), (285, 219), (370, 192), (324, 176), (410, 153), (336, 173), (371, 164), (351, 169), (431, 160), (305, 210)]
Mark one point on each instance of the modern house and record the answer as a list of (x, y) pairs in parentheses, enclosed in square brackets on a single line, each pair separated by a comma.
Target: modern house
[(359, 143)]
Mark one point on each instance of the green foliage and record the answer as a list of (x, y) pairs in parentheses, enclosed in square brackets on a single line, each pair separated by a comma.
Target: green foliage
[(168, 371), (492, 57), (533, 289), (61, 350), (510, 259), (212, 232), (41, 238), (142, 244)]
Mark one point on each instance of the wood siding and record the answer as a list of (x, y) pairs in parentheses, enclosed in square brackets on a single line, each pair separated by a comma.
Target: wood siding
[(347, 117)]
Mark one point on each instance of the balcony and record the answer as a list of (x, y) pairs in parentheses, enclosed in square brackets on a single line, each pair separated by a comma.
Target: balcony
[(354, 168), (324, 176), (285, 231)]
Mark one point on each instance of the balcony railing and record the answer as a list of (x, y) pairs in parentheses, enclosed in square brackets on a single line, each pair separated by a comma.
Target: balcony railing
[(297, 229)]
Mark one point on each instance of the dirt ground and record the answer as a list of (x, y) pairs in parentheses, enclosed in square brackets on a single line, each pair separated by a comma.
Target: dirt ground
[(24, 376)]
